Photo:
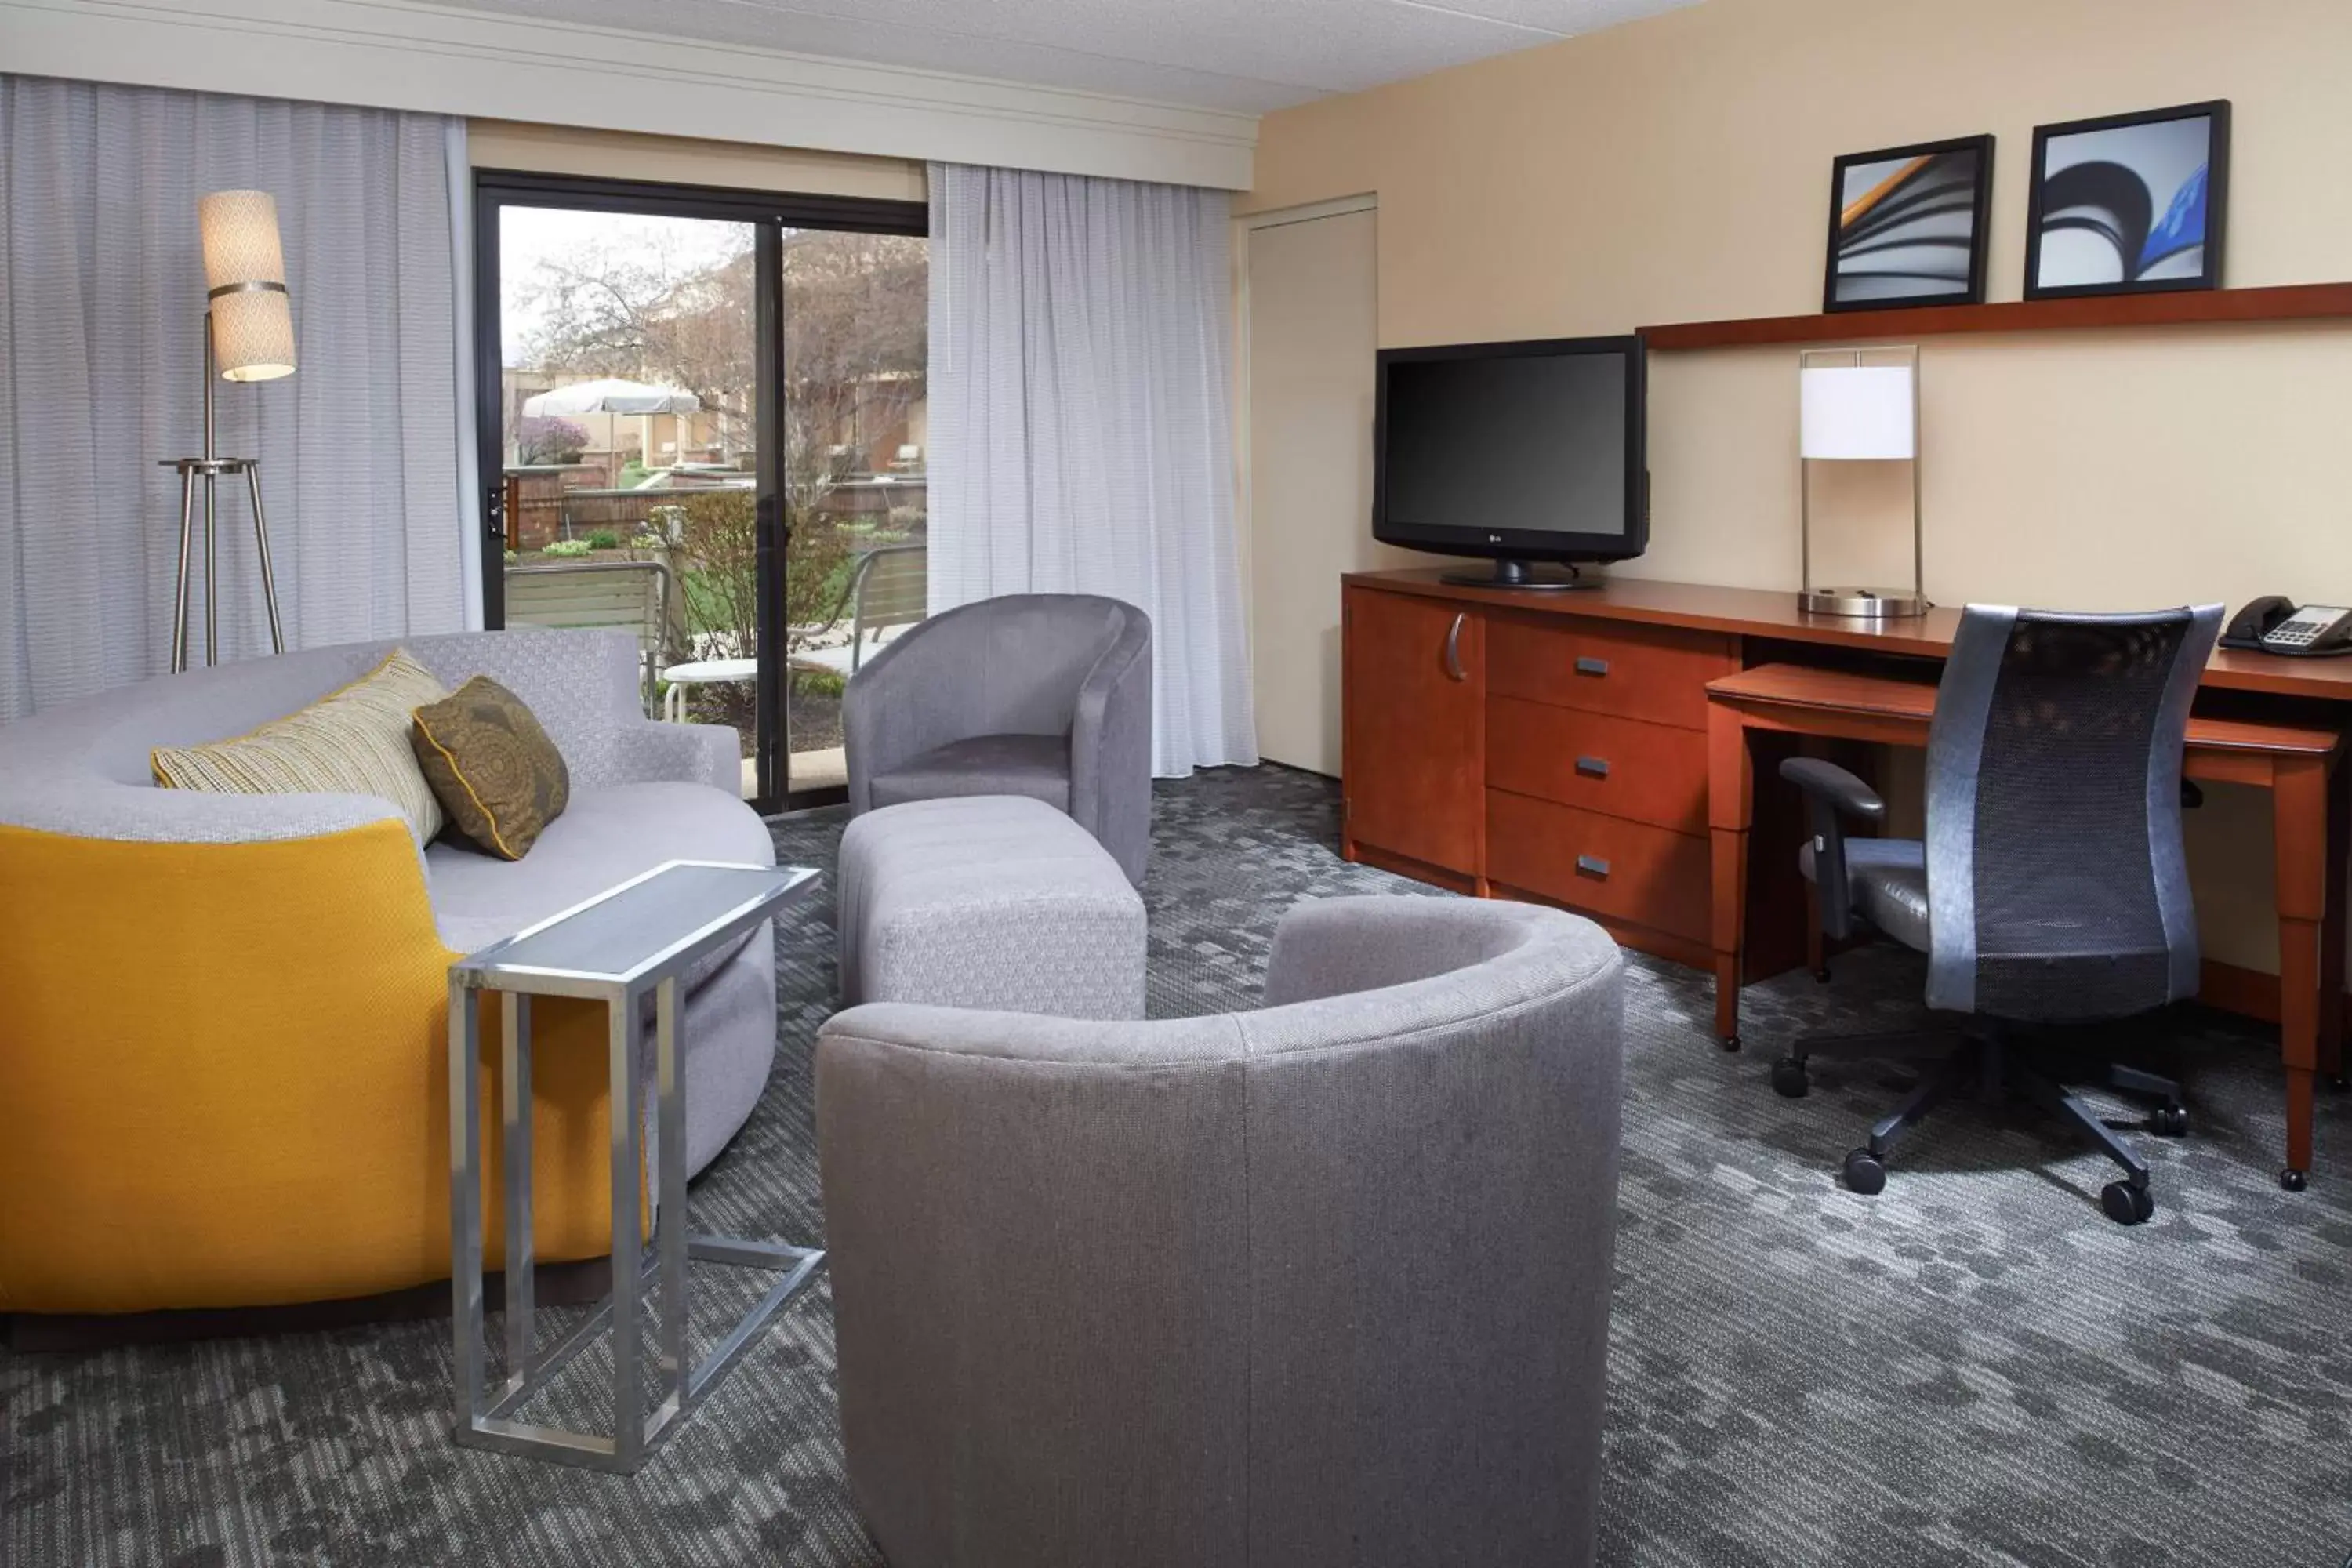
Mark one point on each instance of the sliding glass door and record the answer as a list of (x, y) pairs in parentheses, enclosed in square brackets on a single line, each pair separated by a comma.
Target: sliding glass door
[(856, 320), (701, 419)]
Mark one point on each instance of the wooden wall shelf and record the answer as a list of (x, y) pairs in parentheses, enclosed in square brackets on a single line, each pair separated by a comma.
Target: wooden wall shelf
[(2293, 303)]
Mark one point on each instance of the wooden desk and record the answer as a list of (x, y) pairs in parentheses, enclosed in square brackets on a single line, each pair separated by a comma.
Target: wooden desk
[(1767, 613), (1557, 747), (2296, 763)]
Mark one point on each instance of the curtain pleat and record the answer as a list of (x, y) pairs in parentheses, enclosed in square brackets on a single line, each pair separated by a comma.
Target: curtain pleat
[(1081, 423), (101, 308)]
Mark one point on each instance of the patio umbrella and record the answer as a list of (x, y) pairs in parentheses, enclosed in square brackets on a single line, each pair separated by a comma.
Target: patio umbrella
[(611, 394)]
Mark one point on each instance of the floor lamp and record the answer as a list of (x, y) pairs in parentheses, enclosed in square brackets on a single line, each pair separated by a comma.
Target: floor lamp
[(249, 336)]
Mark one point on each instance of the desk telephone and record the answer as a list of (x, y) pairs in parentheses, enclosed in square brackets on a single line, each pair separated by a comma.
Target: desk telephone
[(2272, 625)]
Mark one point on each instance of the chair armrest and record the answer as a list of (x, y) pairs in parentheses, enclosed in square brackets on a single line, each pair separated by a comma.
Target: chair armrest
[(1110, 749), (1828, 781), (650, 753), (1832, 794), (1340, 947), (911, 697)]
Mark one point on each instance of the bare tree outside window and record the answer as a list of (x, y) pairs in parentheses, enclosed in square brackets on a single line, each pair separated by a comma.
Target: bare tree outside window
[(670, 303), (857, 335), (650, 302)]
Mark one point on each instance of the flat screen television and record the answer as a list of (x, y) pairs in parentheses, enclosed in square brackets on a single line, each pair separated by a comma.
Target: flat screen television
[(1522, 453)]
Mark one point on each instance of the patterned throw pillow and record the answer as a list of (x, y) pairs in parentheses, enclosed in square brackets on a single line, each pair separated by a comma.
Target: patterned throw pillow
[(499, 777), (353, 741)]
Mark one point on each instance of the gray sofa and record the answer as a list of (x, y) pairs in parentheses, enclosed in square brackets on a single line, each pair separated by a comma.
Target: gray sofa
[(1046, 695), (267, 1056), (1319, 1285), (642, 792)]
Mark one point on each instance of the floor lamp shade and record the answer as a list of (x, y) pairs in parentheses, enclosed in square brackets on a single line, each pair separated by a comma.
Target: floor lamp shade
[(244, 276)]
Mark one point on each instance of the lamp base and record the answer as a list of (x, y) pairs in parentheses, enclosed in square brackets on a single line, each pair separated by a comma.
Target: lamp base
[(1863, 604)]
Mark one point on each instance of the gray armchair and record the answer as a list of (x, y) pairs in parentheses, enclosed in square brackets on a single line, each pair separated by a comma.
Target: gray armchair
[(1046, 695), (1324, 1284)]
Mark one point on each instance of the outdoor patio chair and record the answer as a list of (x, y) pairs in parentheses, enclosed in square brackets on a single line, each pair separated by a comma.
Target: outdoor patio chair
[(635, 597), (890, 589)]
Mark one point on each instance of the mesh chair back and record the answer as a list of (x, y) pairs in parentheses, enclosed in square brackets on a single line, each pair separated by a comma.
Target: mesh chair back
[(2057, 884), (892, 589), (629, 595)]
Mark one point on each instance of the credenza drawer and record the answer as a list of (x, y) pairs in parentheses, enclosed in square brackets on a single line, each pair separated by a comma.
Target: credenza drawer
[(1624, 767), (1657, 673), (1632, 871)]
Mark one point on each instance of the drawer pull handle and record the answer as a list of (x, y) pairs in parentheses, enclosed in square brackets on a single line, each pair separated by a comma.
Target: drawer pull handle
[(1453, 670), (1592, 767), (1590, 665), (1592, 865)]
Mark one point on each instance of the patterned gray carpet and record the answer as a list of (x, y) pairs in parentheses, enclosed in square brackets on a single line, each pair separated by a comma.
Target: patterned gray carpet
[(1974, 1368)]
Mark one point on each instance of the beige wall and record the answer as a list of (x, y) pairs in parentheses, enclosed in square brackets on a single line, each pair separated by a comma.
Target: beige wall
[(680, 160), (1678, 169)]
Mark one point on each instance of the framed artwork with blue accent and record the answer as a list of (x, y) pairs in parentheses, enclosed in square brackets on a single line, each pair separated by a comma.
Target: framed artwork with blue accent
[(2133, 204)]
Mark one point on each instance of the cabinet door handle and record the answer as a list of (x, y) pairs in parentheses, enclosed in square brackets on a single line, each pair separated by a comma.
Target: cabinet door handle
[(1453, 670), (1592, 767), (1590, 665), (1592, 865)]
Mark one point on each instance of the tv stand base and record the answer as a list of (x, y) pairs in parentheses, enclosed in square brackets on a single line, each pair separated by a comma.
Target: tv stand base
[(1526, 576)]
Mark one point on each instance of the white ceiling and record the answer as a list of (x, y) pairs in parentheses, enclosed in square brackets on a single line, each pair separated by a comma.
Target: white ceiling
[(1245, 55)]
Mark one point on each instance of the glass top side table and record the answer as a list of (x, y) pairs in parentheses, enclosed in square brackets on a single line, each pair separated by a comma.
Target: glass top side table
[(636, 939)]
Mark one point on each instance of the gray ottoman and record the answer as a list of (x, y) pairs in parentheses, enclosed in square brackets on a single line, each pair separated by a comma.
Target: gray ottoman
[(993, 901)]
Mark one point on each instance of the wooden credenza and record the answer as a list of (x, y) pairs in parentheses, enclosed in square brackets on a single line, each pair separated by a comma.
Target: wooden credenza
[(1554, 746), (1533, 752)]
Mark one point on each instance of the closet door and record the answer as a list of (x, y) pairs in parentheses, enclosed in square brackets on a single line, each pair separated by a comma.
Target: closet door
[(1312, 321)]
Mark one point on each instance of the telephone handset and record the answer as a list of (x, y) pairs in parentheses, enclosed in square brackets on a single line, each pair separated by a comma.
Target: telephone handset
[(2274, 625)]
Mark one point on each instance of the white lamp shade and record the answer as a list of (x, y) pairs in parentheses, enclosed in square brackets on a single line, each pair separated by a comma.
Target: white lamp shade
[(240, 234), (253, 336), (1856, 413), (253, 330)]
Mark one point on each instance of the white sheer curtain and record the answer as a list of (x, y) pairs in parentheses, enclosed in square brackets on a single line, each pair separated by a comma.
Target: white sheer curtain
[(1081, 422), (102, 299)]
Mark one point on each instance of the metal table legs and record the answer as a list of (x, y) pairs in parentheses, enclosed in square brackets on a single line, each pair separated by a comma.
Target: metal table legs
[(485, 1417)]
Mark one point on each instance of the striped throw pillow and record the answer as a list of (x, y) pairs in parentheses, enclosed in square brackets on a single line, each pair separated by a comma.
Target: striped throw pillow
[(353, 741)]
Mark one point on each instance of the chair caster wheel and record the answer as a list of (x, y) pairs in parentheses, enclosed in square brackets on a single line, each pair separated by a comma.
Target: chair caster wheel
[(1729, 1042), (2169, 1122), (1865, 1173), (2127, 1204), (2293, 1180), (1822, 975), (1789, 1080), (2337, 1083)]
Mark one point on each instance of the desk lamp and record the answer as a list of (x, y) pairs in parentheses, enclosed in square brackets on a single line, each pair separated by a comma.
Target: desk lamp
[(1859, 405), (249, 336)]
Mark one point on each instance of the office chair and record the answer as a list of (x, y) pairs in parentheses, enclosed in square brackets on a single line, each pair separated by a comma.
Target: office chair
[(2052, 887)]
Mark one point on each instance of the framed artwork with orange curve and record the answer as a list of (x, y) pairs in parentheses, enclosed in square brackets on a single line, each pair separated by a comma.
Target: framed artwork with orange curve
[(1908, 226)]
